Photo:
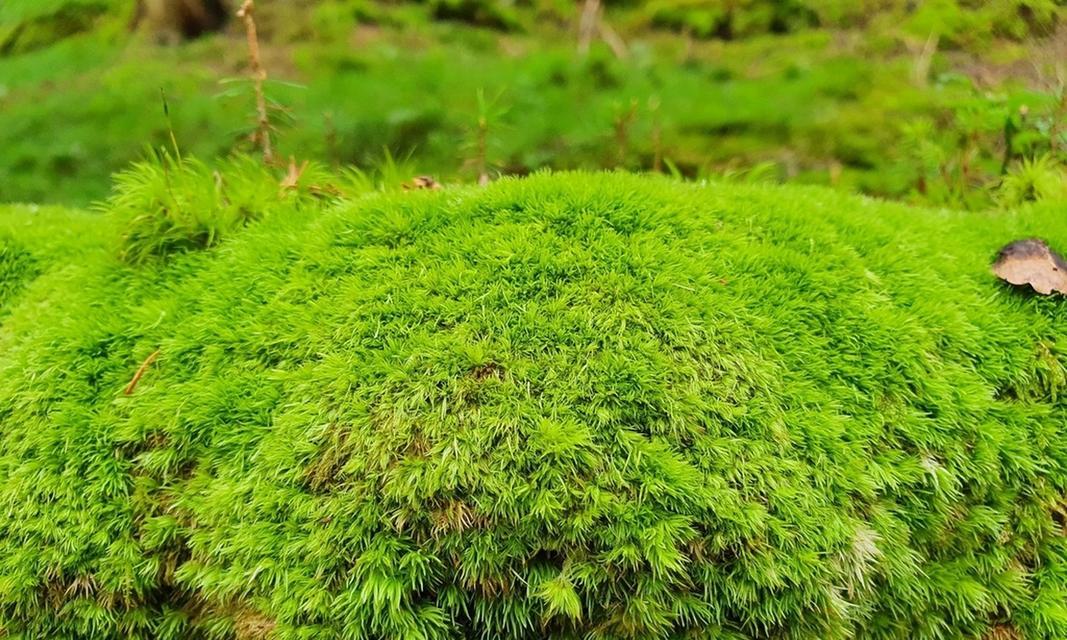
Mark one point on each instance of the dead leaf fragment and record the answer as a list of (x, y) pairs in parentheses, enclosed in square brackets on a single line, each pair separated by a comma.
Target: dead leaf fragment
[(1032, 262), (1003, 632), (422, 182)]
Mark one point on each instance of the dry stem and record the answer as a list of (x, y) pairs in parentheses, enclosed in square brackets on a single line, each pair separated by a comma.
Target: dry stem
[(588, 25), (623, 121), (259, 76), (483, 151), (592, 23), (921, 71), (657, 136), (140, 372)]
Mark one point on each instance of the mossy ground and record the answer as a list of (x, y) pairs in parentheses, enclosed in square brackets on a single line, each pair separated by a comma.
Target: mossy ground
[(575, 405)]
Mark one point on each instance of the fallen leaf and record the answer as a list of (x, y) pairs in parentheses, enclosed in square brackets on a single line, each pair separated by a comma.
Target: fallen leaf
[(422, 182), (1032, 262)]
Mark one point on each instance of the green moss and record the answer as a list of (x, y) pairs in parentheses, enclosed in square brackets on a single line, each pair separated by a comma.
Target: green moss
[(567, 406), (16, 268), (35, 241), (26, 25), (174, 206)]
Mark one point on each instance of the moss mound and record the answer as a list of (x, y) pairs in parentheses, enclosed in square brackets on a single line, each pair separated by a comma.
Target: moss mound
[(592, 406)]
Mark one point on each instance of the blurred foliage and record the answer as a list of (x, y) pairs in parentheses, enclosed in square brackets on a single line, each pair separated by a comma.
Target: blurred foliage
[(731, 19), (886, 97), (26, 25), (989, 147), (959, 22), (1034, 180)]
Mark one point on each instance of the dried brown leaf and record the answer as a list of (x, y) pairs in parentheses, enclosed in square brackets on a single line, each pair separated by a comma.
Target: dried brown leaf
[(1032, 262), (422, 182)]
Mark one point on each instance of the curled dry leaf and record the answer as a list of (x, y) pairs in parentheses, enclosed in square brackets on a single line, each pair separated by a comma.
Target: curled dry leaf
[(1032, 262)]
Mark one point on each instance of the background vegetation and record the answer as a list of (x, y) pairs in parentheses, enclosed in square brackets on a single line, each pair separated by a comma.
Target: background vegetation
[(949, 102)]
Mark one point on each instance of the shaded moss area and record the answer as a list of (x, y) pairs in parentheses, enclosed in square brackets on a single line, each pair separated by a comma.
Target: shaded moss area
[(28, 26), (574, 405), (16, 267)]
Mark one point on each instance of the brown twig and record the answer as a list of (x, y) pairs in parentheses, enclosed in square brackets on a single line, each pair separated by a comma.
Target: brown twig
[(623, 121), (657, 135), (687, 48), (587, 25), (921, 71), (140, 372), (1059, 116), (612, 38), (592, 23), (331, 139), (483, 150), (259, 76)]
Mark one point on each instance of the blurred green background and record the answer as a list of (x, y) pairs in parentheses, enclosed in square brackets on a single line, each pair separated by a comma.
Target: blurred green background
[(947, 102)]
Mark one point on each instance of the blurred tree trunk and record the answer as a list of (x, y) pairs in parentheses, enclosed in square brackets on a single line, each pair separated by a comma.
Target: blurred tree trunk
[(174, 20)]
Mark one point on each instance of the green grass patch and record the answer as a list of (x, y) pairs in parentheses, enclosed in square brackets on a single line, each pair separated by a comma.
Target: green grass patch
[(575, 405)]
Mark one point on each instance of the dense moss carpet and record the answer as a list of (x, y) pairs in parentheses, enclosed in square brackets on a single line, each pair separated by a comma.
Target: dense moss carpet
[(595, 406)]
